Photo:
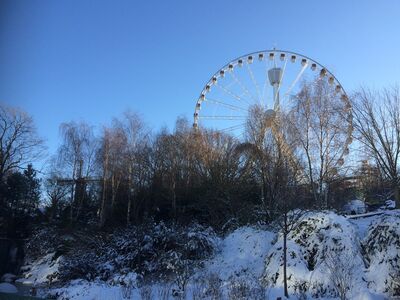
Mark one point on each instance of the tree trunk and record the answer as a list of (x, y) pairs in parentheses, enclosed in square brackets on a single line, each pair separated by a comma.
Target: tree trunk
[(104, 204), (285, 256), (128, 213), (104, 208), (396, 193), (113, 194), (54, 208), (71, 213), (326, 195), (173, 200)]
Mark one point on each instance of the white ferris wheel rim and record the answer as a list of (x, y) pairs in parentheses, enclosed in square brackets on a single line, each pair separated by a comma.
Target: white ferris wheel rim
[(271, 54), (283, 55)]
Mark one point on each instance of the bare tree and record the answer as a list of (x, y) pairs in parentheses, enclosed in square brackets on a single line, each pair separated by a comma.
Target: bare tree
[(321, 126), (285, 174), (169, 164), (273, 147), (377, 124), (217, 164), (19, 142), (77, 156), (124, 162), (137, 157), (340, 268), (112, 152), (56, 192)]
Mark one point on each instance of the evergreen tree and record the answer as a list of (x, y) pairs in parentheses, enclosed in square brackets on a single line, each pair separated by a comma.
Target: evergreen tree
[(20, 199)]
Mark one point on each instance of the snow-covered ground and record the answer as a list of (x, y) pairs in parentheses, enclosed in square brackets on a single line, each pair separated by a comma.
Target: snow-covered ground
[(241, 252), (366, 246)]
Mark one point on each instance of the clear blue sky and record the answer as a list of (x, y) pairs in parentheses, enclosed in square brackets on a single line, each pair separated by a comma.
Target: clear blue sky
[(91, 60)]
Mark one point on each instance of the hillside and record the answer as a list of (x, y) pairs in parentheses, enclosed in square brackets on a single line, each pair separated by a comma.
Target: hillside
[(246, 263)]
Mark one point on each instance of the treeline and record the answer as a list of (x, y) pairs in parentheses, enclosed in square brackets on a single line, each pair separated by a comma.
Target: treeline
[(126, 174)]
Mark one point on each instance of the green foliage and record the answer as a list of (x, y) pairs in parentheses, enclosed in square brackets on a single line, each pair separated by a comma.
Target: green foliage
[(20, 198)]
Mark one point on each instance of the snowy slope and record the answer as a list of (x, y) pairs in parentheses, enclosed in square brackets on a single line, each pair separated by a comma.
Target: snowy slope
[(319, 237), (241, 252), (43, 270), (382, 251), (368, 245)]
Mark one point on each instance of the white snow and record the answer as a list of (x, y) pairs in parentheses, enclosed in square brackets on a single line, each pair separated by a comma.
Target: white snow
[(253, 253), (355, 206), (320, 235), (41, 271), (363, 222), (6, 287), (389, 204), (383, 250), (84, 290), (242, 251)]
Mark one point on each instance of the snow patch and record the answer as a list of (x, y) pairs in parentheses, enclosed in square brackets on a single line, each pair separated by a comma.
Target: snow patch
[(43, 270), (318, 238), (6, 287), (382, 251), (243, 251)]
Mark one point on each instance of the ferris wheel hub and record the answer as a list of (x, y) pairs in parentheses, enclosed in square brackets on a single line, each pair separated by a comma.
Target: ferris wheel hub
[(275, 75), (270, 114)]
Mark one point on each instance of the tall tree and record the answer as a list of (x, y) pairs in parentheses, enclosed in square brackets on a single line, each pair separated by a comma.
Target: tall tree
[(77, 155), (19, 141), (274, 151), (377, 124), (56, 193), (322, 131), (266, 137), (124, 157), (137, 157), (21, 199)]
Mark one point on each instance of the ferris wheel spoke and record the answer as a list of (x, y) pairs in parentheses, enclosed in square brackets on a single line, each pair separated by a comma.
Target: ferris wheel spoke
[(243, 86), (254, 82), (232, 94), (233, 128), (241, 135), (280, 81), (229, 106), (296, 80), (222, 118)]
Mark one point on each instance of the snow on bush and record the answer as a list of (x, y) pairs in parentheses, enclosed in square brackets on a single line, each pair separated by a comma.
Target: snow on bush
[(42, 270), (156, 250), (382, 253), (325, 259), (162, 249), (318, 239), (241, 252), (42, 242)]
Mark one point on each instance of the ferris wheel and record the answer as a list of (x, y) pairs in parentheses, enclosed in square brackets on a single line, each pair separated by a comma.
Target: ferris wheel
[(270, 80)]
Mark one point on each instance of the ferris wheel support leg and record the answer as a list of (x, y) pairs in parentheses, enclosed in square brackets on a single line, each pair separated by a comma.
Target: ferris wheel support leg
[(276, 96)]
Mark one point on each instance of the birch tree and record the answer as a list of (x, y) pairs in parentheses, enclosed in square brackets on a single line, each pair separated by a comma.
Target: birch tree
[(377, 125), (319, 121)]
